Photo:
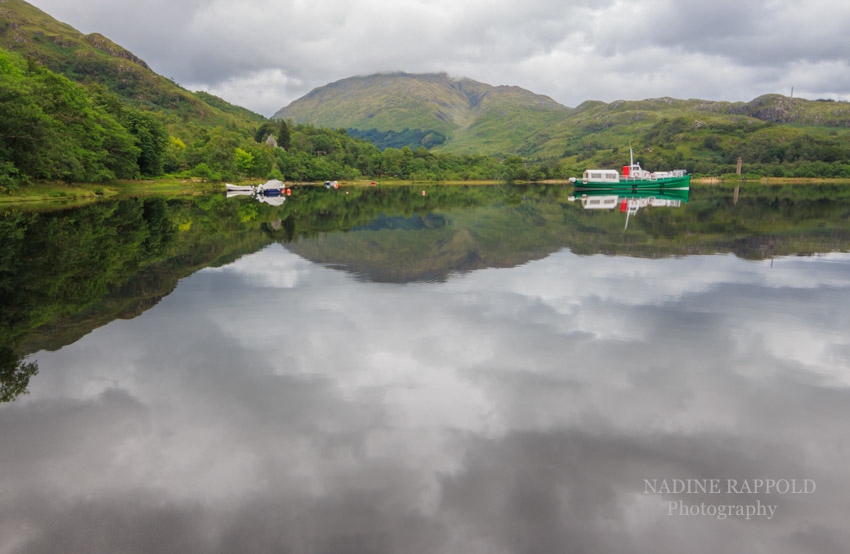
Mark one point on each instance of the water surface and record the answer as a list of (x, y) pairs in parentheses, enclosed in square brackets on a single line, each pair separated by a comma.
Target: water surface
[(409, 384)]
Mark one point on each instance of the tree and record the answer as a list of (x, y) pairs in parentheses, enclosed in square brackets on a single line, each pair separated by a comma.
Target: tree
[(15, 374), (175, 155), (219, 152), (514, 168), (150, 136), (265, 129), (283, 136), (244, 161)]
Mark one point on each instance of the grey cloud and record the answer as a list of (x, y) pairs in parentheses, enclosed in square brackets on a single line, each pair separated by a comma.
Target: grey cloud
[(264, 55)]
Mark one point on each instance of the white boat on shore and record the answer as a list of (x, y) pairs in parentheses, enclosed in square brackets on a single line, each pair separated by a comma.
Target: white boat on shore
[(271, 192), (238, 188), (272, 187)]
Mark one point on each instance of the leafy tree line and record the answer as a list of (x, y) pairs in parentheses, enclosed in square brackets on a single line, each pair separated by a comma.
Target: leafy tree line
[(304, 153), (54, 129)]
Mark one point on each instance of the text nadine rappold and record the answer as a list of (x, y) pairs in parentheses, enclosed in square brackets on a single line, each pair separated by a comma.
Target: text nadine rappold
[(728, 488)]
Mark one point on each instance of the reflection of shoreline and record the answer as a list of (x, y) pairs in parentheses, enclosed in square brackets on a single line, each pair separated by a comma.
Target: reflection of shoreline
[(369, 233), (769, 181)]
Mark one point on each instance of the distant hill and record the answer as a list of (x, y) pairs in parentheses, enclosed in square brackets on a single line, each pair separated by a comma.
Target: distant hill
[(465, 116), (94, 58), (432, 110)]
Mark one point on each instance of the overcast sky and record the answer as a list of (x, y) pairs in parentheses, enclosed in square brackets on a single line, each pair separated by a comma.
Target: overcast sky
[(263, 54)]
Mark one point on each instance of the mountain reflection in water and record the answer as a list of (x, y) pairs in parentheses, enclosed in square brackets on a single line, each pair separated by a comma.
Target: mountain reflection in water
[(505, 378)]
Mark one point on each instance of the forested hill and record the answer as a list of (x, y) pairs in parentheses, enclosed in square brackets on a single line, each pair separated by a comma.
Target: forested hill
[(94, 58), (80, 107), (431, 110), (773, 134)]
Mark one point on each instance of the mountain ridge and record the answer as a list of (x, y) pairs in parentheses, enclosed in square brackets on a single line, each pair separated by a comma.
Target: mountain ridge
[(474, 117), (459, 108)]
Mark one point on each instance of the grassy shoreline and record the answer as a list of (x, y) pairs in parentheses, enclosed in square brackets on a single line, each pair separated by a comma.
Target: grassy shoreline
[(79, 194)]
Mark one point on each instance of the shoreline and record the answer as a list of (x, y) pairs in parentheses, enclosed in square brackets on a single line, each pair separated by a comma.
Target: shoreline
[(76, 194)]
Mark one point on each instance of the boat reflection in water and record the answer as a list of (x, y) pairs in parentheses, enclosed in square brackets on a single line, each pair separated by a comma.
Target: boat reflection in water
[(272, 192), (630, 202)]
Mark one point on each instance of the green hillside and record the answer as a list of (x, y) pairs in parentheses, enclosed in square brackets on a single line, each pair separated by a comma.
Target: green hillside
[(773, 134), (460, 115), (93, 58), (81, 108)]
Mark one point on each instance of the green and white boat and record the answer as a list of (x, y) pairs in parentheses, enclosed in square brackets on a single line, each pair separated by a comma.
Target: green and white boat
[(599, 199), (633, 179), (630, 202)]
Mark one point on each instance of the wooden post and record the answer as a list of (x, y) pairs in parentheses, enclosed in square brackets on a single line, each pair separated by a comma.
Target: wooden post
[(740, 164)]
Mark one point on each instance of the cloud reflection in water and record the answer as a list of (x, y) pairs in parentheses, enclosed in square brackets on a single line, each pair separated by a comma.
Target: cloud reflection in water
[(279, 404)]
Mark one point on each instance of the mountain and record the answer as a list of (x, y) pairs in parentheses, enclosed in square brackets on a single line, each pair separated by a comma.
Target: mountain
[(465, 116), (610, 123), (94, 58), (457, 114)]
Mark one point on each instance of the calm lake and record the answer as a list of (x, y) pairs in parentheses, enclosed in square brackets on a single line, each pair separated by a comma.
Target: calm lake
[(469, 370)]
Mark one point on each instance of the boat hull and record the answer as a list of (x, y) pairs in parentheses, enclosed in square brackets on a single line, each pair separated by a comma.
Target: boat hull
[(636, 185), (238, 188)]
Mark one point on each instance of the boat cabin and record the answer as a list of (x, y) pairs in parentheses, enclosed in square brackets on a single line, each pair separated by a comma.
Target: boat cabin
[(601, 176), (608, 202), (636, 172)]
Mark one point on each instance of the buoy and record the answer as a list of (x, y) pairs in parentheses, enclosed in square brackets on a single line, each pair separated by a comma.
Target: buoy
[(423, 193), (289, 192)]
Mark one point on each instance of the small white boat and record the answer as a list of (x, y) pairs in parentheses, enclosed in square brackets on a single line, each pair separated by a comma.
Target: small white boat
[(272, 187), (238, 188)]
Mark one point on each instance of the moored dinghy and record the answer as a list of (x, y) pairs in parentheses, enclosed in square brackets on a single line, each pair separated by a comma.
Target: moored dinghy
[(238, 188), (272, 187)]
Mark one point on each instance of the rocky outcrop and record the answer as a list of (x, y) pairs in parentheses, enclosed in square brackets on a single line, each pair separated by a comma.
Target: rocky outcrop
[(104, 44)]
